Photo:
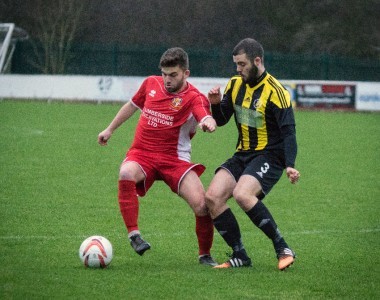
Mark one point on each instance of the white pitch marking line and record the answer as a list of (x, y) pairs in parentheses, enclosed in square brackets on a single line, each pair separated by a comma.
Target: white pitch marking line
[(306, 232)]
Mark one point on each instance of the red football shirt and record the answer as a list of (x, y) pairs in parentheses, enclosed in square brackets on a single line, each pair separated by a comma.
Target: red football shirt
[(168, 121)]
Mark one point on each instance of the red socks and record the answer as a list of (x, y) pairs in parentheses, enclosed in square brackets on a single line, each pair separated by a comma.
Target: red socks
[(129, 208), (129, 204), (204, 229)]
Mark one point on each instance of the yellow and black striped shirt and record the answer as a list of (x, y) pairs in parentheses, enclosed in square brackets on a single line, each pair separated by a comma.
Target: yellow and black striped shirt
[(261, 111)]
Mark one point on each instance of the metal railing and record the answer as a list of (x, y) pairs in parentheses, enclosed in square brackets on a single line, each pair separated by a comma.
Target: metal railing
[(117, 60)]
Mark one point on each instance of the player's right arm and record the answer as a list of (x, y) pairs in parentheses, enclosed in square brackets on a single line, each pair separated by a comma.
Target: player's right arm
[(221, 106), (214, 95), (125, 112)]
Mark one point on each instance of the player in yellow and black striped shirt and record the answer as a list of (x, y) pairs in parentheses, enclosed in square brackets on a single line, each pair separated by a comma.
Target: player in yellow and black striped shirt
[(266, 146)]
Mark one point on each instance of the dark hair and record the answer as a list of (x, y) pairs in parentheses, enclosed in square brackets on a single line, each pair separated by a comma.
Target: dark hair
[(250, 47), (174, 57)]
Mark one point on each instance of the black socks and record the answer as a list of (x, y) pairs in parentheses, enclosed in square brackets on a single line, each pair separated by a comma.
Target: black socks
[(262, 218), (228, 227)]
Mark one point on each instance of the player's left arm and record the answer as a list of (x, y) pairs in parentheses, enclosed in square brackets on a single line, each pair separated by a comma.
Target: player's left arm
[(290, 148), (285, 119), (202, 113)]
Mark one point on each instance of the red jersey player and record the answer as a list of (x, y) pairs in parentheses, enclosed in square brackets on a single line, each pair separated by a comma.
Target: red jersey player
[(171, 108)]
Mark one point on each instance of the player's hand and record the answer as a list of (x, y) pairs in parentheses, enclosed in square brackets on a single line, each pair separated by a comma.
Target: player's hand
[(209, 125), (292, 174), (214, 95), (103, 137)]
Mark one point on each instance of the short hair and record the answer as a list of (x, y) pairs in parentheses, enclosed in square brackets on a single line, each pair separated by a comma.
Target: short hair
[(250, 47), (174, 57)]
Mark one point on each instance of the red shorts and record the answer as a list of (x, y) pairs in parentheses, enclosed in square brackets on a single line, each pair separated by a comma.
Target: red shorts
[(159, 166)]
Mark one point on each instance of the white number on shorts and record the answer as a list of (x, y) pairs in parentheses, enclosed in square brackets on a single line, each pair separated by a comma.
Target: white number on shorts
[(263, 169)]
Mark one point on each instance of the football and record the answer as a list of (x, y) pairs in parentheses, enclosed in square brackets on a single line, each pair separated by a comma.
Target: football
[(96, 252)]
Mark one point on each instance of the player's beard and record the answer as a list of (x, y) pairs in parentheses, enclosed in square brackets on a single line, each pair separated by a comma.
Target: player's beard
[(252, 75), (175, 88)]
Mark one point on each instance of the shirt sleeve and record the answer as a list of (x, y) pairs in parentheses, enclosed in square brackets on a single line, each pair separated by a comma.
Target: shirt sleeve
[(290, 144), (201, 107), (139, 98), (286, 123)]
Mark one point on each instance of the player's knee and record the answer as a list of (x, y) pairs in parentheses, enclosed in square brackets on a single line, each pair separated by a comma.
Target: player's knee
[(239, 196), (243, 199), (196, 200), (210, 199), (198, 206), (131, 171), (200, 210), (125, 174)]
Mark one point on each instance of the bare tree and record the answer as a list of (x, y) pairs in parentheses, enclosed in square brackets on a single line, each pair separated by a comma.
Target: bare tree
[(349, 27), (57, 24)]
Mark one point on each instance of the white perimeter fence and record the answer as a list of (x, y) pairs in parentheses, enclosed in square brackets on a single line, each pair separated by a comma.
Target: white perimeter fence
[(361, 96)]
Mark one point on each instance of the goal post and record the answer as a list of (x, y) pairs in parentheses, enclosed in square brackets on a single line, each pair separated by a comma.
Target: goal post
[(6, 31)]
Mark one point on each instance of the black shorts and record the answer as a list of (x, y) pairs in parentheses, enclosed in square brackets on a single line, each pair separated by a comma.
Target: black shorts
[(267, 168)]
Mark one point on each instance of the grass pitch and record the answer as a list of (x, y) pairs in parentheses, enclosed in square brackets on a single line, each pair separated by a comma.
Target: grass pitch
[(58, 186)]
